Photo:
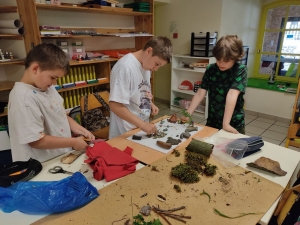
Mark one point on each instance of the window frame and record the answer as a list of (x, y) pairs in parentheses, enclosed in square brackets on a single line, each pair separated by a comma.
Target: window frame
[(260, 41)]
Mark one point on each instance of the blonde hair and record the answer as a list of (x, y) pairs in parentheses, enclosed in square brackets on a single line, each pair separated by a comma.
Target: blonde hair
[(229, 47)]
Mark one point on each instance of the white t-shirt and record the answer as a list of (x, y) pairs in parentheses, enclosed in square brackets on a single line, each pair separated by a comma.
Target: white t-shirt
[(33, 113), (129, 85)]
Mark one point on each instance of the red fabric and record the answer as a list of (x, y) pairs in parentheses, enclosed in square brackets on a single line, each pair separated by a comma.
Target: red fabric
[(109, 162)]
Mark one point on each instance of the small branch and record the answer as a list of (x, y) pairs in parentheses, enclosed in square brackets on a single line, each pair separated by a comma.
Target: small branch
[(124, 217), (162, 216), (168, 210)]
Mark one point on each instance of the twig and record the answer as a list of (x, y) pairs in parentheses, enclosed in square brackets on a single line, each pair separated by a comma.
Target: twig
[(131, 207), (164, 218), (168, 160), (124, 217), (186, 217), (168, 210), (175, 217), (233, 217)]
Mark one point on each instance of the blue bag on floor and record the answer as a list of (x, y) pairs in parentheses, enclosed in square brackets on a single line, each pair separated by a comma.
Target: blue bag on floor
[(39, 197)]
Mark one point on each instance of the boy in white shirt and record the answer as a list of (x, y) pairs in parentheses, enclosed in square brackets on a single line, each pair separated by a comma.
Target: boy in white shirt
[(130, 98), (38, 125)]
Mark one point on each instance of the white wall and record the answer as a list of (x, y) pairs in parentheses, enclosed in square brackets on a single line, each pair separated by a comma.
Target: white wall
[(188, 16), (242, 17), (279, 104)]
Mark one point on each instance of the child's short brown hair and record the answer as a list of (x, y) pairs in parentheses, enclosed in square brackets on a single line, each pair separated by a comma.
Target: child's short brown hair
[(162, 47), (229, 47), (49, 57)]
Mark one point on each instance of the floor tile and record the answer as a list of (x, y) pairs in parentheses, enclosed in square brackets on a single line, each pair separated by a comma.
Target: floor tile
[(265, 120), (282, 124), (250, 134), (203, 122), (247, 120), (284, 120), (250, 116), (266, 116), (162, 106), (279, 129), (274, 135), (249, 112), (254, 130), (257, 123), (276, 142)]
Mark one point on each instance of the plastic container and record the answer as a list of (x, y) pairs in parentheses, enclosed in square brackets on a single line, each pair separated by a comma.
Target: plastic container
[(236, 149), (184, 104), (176, 101)]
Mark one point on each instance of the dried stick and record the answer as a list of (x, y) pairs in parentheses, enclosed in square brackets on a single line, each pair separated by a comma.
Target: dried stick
[(164, 218), (168, 210), (182, 216)]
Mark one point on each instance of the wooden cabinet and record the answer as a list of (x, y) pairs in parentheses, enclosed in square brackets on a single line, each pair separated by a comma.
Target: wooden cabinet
[(106, 21), (292, 139), (7, 43), (183, 79)]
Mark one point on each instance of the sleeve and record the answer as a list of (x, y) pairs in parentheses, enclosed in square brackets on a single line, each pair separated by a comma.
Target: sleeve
[(28, 122), (240, 79), (205, 79), (120, 85)]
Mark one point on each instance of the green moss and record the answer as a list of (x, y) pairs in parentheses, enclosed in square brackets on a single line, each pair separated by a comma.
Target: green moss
[(185, 173)]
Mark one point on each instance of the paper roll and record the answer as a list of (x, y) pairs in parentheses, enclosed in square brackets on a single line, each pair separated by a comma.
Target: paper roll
[(11, 23), (12, 31)]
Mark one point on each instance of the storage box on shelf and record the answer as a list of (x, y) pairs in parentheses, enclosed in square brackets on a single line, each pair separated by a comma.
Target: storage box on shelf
[(202, 44), (185, 74), (75, 28)]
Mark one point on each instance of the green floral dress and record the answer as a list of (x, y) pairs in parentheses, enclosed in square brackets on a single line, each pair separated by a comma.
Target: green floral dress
[(218, 83)]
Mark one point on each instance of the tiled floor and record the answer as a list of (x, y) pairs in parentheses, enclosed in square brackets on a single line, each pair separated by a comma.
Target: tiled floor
[(270, 130)]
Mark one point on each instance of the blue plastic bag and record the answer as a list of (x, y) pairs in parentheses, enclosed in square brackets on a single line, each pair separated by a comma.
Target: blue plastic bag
[(34, 197)]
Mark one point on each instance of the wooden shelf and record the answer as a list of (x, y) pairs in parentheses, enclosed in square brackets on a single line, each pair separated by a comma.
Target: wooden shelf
[(6, 85), (8, 9), (19, 62), (11, 36), (79, 63), (90, 10), (3, 114), (104, 81)]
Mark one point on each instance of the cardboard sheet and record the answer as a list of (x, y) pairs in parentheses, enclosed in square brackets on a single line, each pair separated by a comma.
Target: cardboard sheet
[(242, 193), (171, 129)]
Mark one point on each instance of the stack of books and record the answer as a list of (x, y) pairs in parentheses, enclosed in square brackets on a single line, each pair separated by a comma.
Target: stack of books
[(139, 6), (50, 30), (112, 2)]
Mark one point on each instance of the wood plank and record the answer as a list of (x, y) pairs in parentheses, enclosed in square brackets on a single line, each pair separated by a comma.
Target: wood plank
[(104, 81), (19, 62), (6, 85), (28, 15), (8, 9), (90, 10), (148, 155), (11, 36), (79, 63)]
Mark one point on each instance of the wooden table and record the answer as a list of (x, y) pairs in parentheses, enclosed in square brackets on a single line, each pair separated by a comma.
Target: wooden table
[(124, 195)]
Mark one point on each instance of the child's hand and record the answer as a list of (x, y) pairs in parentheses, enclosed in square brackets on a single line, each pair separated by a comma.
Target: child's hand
[(79, 143), (230, 129), (88, 135), (149, 128), (154, 109), (184, 119)]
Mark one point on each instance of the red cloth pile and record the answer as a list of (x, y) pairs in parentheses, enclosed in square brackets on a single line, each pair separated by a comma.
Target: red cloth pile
[(109, 162)]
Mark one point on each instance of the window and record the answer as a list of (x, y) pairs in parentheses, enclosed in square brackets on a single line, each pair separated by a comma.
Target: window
[(279, 42)]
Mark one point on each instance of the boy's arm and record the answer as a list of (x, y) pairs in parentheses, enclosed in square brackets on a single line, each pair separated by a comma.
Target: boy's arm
[(154, 109), (51, 142), (198, 97), (231, 99), (121, 111), (78, 129)]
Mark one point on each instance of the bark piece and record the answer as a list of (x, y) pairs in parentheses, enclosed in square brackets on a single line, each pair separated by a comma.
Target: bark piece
[(269, 165), (164, 144), (200, 147)]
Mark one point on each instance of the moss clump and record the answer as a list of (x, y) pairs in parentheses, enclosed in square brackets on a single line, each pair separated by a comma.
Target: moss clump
[(185, 173), (196, 161), (200, 147), (177, 188), (210, 170), (176, 153)]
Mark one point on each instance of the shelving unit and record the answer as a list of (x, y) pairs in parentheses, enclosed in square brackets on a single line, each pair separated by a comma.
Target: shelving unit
[(291, 138), (180, 74), (7, 85), (34, 15)]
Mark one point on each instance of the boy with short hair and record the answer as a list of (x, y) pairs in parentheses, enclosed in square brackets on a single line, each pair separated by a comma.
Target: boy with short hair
[(130, 98), (38, 125)]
